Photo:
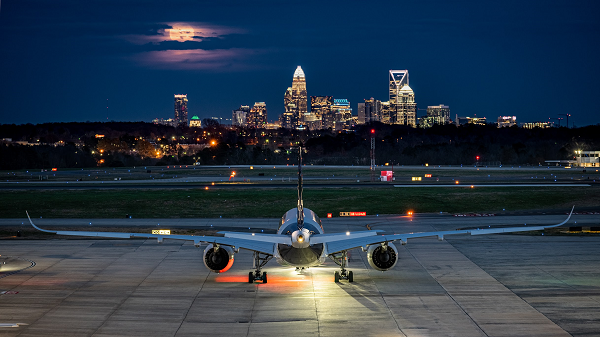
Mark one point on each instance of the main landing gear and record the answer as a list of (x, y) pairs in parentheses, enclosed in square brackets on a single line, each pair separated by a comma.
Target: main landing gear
[(260, 260), (341, 259)]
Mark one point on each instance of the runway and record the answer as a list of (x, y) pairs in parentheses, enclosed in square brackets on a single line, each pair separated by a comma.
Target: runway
[(490, 285)]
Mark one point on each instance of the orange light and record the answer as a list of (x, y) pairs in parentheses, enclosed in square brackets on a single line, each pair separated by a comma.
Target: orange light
[(213, 184), (329, 215), (206, 188), (55, 169), (410, 213), (457, 182), (212, 142), (472, 186)]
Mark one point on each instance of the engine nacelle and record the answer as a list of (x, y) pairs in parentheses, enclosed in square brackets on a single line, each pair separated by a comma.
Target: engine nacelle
[(218, 260), (382, 257)]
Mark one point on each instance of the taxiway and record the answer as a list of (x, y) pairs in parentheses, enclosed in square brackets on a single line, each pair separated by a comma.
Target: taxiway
[(489, 285)]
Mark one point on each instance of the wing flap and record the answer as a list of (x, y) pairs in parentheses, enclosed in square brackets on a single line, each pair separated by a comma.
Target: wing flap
[(243, 243), (341, 245), (272, 238)]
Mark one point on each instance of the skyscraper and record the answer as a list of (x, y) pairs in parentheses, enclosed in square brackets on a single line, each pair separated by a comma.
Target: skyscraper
[(295, 101), (239, 116), (403, 108), (257, 118), (181, 110), (320, 105), (369, 111), (440, 114), (340, 114)]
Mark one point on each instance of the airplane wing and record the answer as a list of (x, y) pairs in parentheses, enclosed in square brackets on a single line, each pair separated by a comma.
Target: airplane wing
[(335, 245), (285, 239), (258, 243)]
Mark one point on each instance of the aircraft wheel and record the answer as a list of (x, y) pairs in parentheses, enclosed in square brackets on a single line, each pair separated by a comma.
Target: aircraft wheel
[(250, 277), (336, 277), (264, 277), (350, 276)]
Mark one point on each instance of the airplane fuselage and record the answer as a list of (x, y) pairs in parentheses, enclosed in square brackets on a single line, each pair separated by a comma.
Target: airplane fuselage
[(310, 256)]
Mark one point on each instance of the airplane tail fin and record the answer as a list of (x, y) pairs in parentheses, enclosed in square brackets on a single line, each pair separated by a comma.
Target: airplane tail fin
[(300, 215)]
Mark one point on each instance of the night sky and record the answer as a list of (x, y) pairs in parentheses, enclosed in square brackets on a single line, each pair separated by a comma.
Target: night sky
[(63, 61)]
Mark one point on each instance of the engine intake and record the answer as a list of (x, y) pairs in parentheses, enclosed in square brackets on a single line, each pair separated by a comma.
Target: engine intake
[(382, 257), (218, 260)]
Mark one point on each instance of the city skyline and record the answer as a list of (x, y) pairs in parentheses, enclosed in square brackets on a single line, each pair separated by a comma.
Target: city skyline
[(70, 61)]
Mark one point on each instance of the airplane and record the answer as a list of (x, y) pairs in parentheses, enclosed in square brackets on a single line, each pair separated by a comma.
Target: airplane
[(301, 242)]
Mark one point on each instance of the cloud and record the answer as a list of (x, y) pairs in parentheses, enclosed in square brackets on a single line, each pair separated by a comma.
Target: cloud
[(234, 59), (182, 32), (192, 46)]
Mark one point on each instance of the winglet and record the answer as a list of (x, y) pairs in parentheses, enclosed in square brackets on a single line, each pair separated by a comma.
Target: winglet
[(564, 222), (36, 227), (569, 217)]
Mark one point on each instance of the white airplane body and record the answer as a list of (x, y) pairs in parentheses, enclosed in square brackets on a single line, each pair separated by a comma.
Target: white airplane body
[(301, 242)]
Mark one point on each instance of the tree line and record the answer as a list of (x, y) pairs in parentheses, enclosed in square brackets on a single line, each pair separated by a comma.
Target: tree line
[(78, 146)]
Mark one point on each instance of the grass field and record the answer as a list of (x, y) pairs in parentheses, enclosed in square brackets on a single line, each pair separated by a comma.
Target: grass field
[(266, 202), (403, 173)]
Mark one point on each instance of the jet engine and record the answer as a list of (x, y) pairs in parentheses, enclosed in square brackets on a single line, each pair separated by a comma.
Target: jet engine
[(382, 257), (218, 259)]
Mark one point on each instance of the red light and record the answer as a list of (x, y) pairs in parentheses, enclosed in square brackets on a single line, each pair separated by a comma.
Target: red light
[(329, 215), (372, 130), (477, 157)]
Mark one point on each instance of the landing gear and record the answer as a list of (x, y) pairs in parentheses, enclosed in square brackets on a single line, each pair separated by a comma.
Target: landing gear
[(341, 259), (260, 260)]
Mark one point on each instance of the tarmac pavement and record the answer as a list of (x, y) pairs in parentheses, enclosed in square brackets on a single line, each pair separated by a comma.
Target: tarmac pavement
[(488, 285)]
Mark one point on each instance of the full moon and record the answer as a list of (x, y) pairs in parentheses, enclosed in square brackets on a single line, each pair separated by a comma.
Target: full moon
[(181, 34)]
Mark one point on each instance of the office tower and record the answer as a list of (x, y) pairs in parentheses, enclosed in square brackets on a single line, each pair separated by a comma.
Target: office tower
[(181, 110), (329, 119), (320, 105), (295, 101), (369, 111), (195, 122), (342, 107), (507, 121), (312, 122), (439, 114), (341, 112), (257, 118), (239, 116), (398, 79), (385, 112), (403, 108), (361, 113)]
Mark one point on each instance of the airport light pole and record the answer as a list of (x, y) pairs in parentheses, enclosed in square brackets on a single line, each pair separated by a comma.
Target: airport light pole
[(372, 154)]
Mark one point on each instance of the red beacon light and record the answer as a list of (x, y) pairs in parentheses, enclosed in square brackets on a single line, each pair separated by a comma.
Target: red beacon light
[(372, 131)]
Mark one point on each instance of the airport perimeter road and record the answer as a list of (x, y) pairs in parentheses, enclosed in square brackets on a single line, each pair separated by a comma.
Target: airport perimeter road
[(490, 285)]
